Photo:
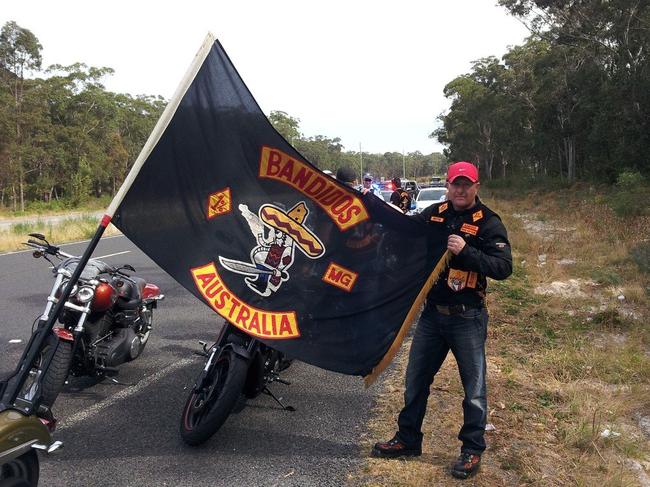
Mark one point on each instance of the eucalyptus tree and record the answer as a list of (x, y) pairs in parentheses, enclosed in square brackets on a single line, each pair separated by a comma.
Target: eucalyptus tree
[(606, 46), (20, 54), (285, 124), (476, 115)]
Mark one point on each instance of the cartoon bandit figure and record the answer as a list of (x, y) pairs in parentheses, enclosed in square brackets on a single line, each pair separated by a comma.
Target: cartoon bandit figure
[(273, 255)]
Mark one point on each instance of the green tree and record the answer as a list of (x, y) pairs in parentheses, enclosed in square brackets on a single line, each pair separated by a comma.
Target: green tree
[(20, 52), (285, 124)]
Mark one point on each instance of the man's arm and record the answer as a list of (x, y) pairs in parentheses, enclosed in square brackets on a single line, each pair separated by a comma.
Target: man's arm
[(493, 257)]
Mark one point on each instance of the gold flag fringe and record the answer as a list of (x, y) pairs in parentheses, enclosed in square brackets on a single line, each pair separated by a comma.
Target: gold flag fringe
[(408, 321)]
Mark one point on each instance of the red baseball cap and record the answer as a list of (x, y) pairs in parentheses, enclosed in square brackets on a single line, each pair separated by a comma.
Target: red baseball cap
[(464, 169)]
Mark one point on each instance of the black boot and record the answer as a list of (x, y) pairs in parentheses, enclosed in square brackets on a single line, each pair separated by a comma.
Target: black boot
[(466, 465), (395, 448)]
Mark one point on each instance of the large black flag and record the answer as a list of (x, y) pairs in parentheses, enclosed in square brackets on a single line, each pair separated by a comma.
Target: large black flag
[(226, 206)]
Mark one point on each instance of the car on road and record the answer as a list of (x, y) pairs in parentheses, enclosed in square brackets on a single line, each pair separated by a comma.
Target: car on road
[(429, 196), (385, 193)]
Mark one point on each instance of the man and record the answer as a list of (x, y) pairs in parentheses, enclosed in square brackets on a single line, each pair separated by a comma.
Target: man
[(369, 187), (346, 176), (455, 318), (400, 197)]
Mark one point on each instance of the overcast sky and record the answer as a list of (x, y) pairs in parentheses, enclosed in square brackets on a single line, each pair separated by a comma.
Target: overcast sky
[(369, 72)]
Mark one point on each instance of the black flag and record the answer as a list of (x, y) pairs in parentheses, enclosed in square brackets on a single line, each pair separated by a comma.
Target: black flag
[(288, 254)]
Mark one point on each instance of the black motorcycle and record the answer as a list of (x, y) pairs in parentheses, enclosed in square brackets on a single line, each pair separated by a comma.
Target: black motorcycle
[(238, 367)]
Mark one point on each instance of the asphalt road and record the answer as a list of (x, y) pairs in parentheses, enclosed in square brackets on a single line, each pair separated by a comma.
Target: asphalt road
[(127, 434)]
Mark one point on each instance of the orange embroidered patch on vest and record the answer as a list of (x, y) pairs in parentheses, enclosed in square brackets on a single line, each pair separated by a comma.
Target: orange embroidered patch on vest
[(476, 216), (457, 279), (467, 228), (438, 219), (472, 280), (443, 207)]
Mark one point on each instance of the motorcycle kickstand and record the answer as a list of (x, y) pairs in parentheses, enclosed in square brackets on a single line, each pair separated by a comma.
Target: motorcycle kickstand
[(269, 393)]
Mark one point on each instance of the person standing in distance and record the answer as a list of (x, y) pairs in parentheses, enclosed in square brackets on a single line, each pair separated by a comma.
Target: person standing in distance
[(346, 176), (455, 318), (400, 196), (368, 187)]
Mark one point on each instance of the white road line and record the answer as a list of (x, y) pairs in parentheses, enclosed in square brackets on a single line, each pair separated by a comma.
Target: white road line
[(123, 394), (62, 245), (112, 255)]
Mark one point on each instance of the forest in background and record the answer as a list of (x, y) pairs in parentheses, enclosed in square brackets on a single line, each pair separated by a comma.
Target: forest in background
[(64, 138), (570, 104)]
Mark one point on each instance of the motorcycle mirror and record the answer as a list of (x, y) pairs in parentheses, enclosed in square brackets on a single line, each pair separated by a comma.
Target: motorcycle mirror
[(128, 267), (39, 236)]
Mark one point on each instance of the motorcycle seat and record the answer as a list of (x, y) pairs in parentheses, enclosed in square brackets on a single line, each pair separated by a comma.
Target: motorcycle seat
[(127, 304), (139, 285), (130, 296)]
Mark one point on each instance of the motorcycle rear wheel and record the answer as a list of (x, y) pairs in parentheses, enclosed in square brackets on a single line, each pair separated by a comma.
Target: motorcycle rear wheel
[(206, 410), (58, 370), (21, 471)]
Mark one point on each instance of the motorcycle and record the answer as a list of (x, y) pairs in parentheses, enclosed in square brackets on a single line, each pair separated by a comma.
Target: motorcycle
[(21, 437), (237, 367), (106, 321)]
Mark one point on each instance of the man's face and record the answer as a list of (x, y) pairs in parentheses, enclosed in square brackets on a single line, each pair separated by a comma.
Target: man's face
[(367, 183), (462, 193)]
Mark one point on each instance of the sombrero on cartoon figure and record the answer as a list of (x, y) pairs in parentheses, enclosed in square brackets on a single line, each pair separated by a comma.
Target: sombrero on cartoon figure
[(291, 223)]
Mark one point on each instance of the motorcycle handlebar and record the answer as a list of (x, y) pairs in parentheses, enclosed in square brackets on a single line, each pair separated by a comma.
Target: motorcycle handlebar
[(34, 242), (46, 248)]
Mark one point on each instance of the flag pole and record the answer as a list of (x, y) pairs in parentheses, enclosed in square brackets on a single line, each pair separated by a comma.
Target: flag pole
[(163, 122), (9, 393)]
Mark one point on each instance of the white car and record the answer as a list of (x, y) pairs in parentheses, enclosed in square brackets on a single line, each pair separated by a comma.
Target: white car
[(429, 196)]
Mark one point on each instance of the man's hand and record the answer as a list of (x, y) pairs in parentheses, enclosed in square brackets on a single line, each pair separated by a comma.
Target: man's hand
[(455, 244)]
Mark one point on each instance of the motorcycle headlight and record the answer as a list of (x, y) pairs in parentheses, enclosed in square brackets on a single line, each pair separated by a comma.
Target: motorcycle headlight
[(64, 283), (85, 294)]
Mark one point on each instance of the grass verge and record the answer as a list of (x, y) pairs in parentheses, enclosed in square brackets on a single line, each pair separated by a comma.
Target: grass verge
[(68, 230), (568, 359)]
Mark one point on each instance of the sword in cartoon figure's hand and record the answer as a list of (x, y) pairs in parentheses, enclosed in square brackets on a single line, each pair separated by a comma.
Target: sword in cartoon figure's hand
[(250, 270)]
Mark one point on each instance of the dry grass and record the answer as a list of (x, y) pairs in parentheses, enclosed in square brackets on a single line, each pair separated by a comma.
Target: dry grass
[(561, 369), (69, 230)]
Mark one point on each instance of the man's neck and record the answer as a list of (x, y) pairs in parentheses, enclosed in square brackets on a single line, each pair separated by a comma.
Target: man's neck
[(460, 210)]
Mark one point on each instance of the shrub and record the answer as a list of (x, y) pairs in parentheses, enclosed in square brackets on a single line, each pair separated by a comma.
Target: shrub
[(632, 195), (641, 255)]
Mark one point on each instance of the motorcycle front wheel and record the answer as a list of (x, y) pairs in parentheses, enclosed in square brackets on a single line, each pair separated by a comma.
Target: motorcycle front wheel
[(207, 409), (21, 471), (58, 370)]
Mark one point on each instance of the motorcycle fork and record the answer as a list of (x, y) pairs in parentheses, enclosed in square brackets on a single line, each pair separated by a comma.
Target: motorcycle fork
[(30, 390), (51, 299), (212, 355)]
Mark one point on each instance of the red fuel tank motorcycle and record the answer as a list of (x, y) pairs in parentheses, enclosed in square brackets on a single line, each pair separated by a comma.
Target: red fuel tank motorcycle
[(105, 322)]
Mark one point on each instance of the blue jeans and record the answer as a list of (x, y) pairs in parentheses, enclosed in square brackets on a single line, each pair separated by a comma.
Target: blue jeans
[(464, 334)]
